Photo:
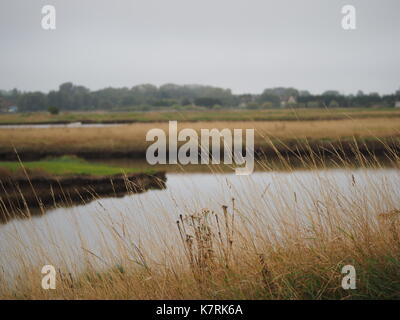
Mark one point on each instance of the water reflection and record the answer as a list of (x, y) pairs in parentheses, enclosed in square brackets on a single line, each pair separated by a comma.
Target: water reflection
[(150, 217)]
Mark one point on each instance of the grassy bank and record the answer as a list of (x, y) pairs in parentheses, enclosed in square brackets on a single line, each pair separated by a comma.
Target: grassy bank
[(63, 166), (129, 141), (202, 115), (259, 245), (33, 187)]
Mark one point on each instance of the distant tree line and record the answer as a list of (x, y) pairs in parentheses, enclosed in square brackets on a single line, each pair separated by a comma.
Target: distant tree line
[(290, 97), (70, 97)]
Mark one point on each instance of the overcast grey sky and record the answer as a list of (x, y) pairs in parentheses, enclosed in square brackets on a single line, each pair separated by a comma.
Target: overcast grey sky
[(245, 45)]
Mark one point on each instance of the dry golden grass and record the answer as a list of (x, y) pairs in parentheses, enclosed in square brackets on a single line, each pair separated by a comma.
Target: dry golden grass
[(254, 247), (130, 139)]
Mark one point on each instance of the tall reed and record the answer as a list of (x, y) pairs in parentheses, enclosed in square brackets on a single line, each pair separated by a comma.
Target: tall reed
[(269, 241)]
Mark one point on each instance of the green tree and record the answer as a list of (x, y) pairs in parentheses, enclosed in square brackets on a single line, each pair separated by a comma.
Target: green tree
[(53, 110), (207, 102)]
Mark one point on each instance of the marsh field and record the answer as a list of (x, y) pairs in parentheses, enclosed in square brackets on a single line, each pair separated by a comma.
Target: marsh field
[(288, 114), (129, 140), (324, 194)]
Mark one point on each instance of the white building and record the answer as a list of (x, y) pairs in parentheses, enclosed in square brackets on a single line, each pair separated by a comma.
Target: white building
[(291, 101), (397, 104), (12, 109)]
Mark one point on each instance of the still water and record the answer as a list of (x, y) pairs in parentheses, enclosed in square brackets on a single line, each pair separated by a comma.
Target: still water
[(67, 236), (58, 125)]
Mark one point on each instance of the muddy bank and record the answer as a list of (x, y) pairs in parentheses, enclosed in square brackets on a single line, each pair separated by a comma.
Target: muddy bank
[(40, 193), (288, 148)]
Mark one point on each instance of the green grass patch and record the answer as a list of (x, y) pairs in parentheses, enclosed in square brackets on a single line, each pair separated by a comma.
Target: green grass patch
[(68, 165)]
